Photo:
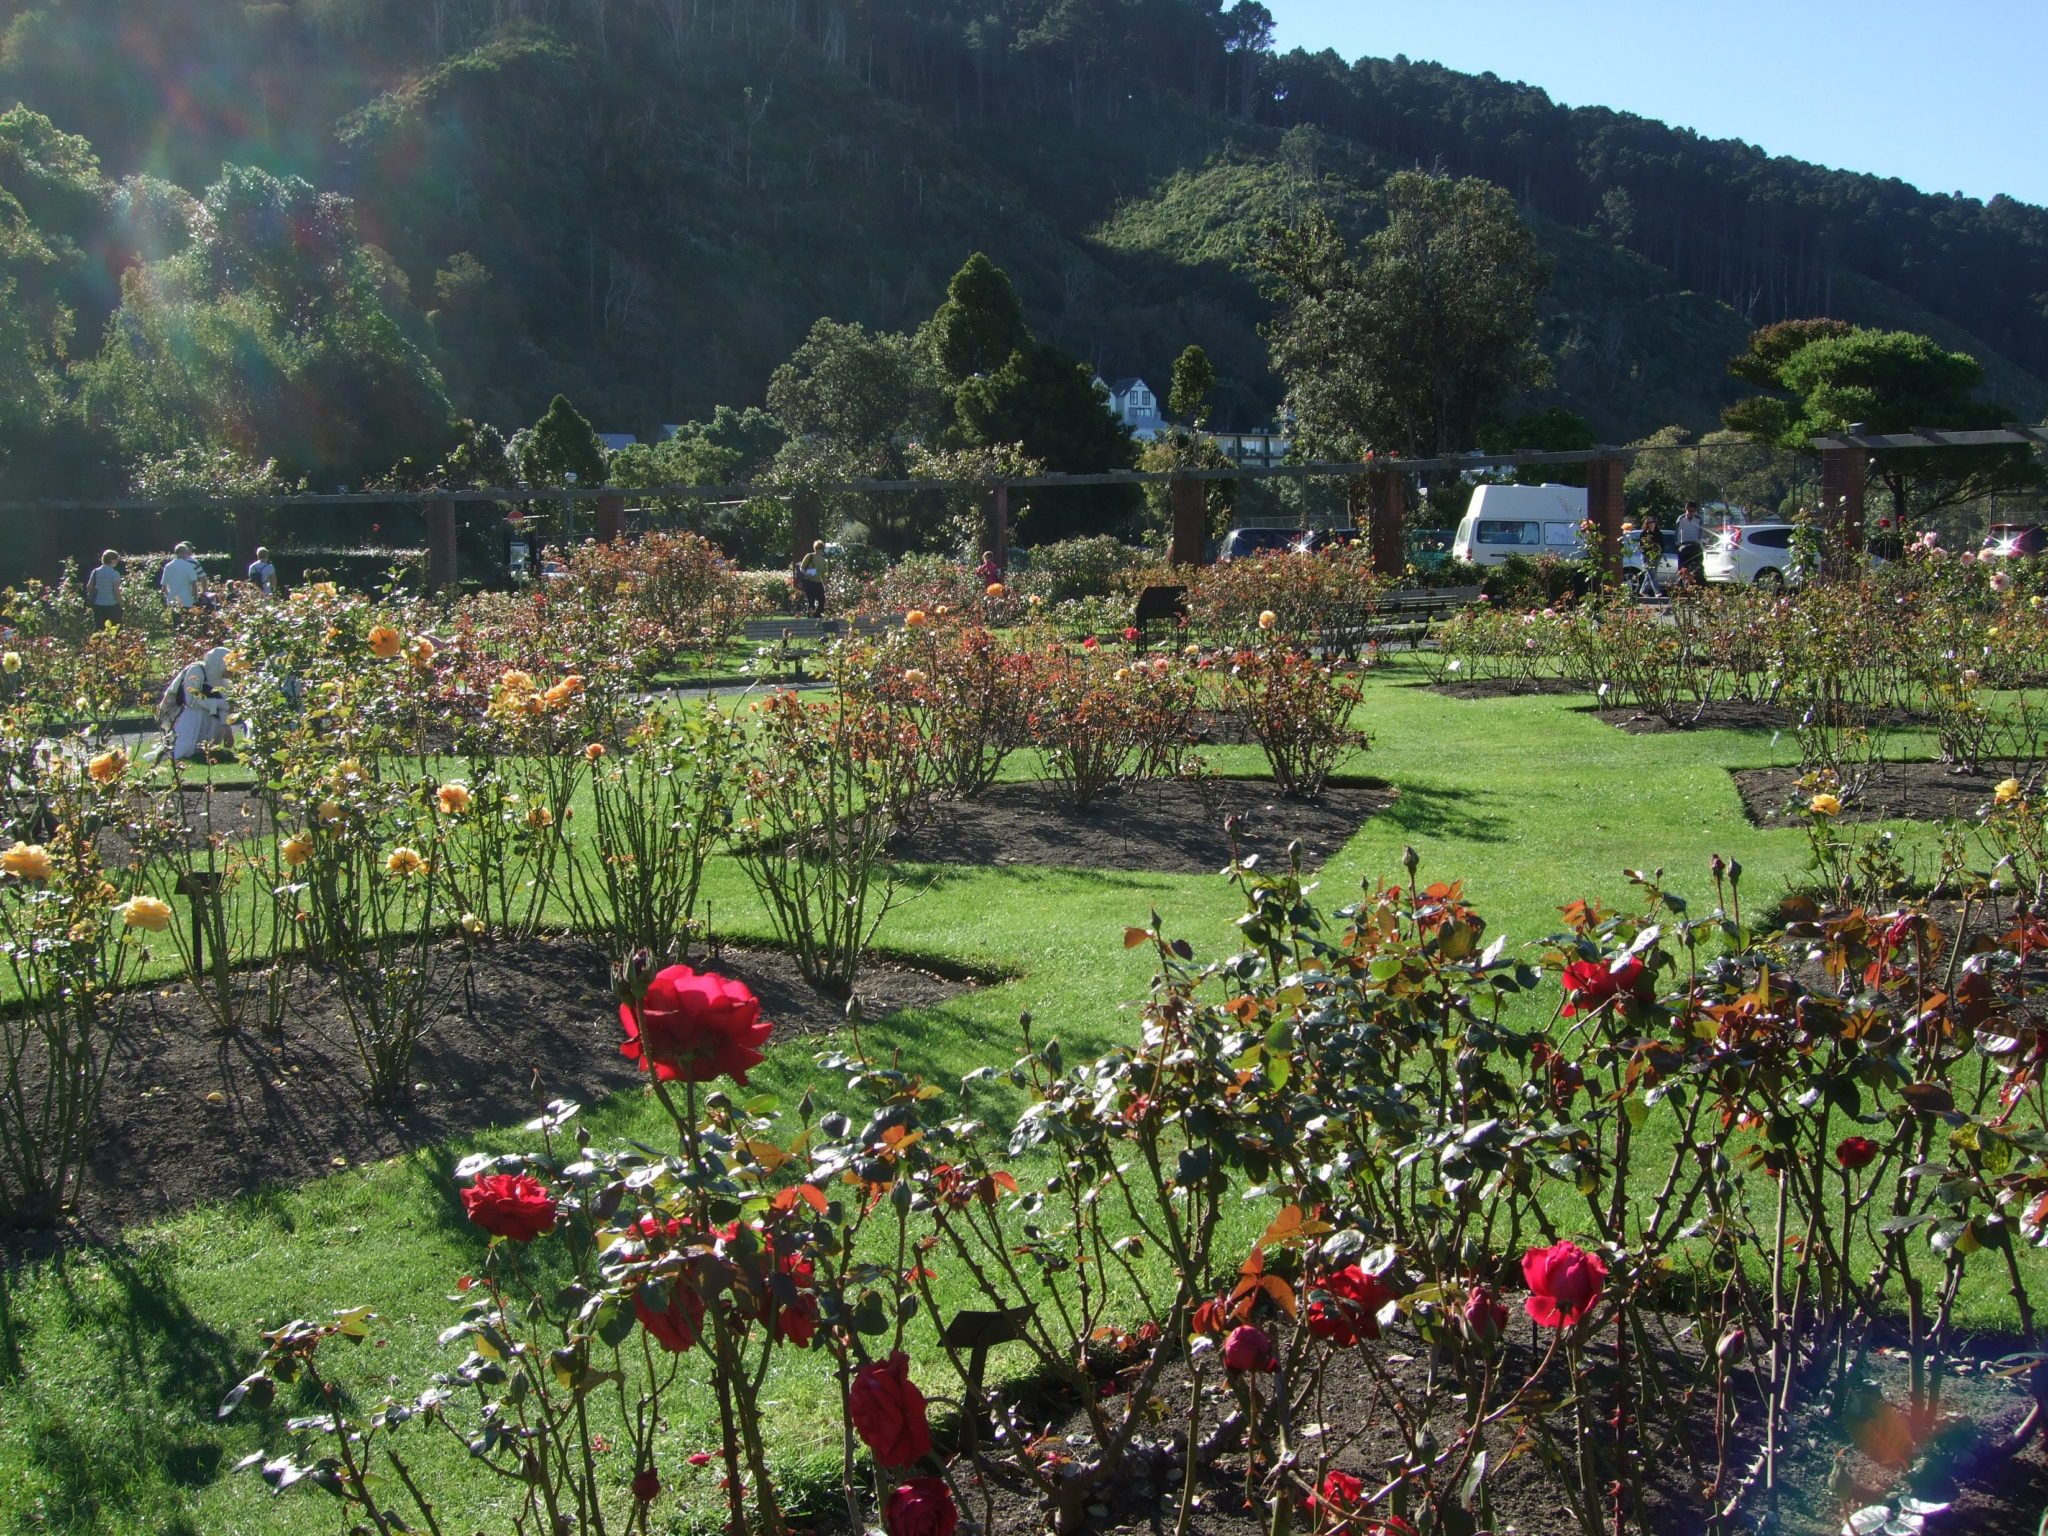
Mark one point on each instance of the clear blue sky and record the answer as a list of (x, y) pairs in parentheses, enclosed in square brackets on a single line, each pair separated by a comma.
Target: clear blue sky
[(1947, 97)]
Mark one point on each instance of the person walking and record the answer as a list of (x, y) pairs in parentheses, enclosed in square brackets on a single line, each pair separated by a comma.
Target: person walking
[(1651, 540), (1692, 534), (810, 576), (989, 572), (263, 573), (180, 580), (103, 589)]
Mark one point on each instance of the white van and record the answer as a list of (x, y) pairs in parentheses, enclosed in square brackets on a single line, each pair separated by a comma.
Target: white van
[(1528, 520)]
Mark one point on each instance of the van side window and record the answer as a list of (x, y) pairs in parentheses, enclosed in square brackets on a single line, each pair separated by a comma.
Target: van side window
[(1491, 531)]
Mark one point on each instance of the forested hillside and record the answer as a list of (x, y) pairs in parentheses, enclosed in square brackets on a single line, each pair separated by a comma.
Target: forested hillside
[(644, 205)]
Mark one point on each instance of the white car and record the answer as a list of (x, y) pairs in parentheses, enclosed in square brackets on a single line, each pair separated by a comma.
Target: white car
[(1754, 554)]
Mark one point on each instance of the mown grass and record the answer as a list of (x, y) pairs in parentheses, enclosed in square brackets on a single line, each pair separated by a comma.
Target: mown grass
[(111, 1362)]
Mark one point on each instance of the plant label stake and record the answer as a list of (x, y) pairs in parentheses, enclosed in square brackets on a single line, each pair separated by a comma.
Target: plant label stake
[(201, 887), (977, 1333)]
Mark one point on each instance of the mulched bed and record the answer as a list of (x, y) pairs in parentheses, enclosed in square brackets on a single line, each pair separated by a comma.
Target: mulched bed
[(1903, 792), (1732, 715), (543, 1026), (1507, 688), (1170, 826), (1986, 1497)]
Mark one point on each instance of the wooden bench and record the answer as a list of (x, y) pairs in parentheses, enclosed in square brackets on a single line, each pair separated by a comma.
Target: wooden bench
[(788, 641), (1159, 608), (1347, 628)]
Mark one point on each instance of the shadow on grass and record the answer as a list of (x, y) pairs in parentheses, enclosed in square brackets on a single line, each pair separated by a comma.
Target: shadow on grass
[(1443, 813)]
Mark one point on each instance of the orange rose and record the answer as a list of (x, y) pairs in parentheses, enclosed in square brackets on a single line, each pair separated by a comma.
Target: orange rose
[(385, 642)]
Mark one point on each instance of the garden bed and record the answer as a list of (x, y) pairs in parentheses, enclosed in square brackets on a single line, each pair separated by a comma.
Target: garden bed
[(1903, 792), (1735, 715), (1170, 826), (1985, 1494), (1508, 688), (544, 1026)]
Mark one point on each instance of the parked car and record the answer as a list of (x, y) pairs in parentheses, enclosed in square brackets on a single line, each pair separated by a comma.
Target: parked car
[(1318, 540), (1240, 543), (2007, 540), (1754, 554), (1503, 521)]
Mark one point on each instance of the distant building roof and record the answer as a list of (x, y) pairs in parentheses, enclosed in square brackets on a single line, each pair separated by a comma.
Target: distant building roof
[(1123, 386)]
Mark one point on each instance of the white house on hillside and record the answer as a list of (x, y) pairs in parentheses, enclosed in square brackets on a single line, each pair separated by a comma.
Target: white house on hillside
[(1134, 404)]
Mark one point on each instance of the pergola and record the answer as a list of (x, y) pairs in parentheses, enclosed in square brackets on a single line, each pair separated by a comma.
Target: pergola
[(1377, 492)]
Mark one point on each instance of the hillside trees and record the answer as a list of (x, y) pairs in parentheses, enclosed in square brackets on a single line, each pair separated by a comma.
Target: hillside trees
[(277, 333), (1423, 335), (1824, 377)]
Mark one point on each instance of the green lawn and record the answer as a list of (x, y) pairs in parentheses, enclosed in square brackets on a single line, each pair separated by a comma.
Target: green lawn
[(111, 1363)]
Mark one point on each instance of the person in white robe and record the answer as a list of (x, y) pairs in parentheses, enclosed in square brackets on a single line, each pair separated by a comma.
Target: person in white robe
[(194, 708)]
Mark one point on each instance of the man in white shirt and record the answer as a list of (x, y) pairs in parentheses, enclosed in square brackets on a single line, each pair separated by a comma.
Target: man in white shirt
[(263, 573), (103, 588), (1690, 532), (180, 579)]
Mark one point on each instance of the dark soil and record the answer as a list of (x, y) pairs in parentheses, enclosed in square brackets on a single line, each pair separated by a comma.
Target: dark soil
[(1348, 1423), (1902, 792), (1736, 715), (1171, 826), (541, 1025), (1507, 688)]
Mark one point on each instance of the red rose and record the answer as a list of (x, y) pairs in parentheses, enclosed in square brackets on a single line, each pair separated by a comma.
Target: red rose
[(1131, 634), (1856, 1152), (1090, 643), (695, 1027), (1485, 1317), (676, 1326), (646, 1485), (1349, 1307), (1564, 1282), (1589, 983), (789, 1304), (514, 1205), (1339, 1494), (921, 1507), (1249, 1349), (889, 1413)]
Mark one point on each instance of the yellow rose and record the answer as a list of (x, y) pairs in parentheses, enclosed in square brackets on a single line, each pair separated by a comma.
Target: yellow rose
[(145, 912), (472, 925), (1268, 619), (423, 651), (454, 798), (914, 676), (28, 861), (404, 861), (10, 661), (2008, 791), (1825, 805), (512, 680), (540, 818), (107, 767), (297, 848), (1035, 600), (915, 619), (385, 642), (329, 814)]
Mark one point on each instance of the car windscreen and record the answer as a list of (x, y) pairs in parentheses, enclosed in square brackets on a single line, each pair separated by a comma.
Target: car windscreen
[(1495, 531)]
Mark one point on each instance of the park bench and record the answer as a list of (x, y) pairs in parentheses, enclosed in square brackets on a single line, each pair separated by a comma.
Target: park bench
[(1159, 608), (789, 641), (1347, 628)]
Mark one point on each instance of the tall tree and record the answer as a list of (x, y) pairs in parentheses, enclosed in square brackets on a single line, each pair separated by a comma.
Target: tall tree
[(980, 323), (1826, 377), (1193, 378), (1425, 335), (1048, 403), (562, 443)]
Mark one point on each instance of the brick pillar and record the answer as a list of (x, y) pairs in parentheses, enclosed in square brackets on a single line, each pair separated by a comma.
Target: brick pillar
[(441, 565), (1190, 542), (248, 534), (995, 535), (611, 519), (1843, 480), (1389, 540), (803, 523), (1607, 508)]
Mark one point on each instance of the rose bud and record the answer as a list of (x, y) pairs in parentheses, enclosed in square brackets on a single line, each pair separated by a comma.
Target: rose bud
[(1485, 1317), (1733, 1346), (1249, 1349)]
